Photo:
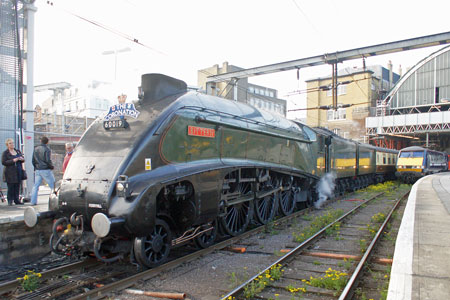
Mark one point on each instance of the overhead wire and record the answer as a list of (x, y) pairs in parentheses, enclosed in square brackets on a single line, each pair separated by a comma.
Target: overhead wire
[(135, 40), (107, 28), (325, 106), (306, 17), (322, 88)]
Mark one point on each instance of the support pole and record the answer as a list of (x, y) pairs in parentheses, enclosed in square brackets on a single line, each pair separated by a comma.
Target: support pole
[(335, 89), (29, 132)]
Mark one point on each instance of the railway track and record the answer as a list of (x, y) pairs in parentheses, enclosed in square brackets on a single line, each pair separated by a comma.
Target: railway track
[(99, 280), (91, 278), (332, 273), (8, 287)]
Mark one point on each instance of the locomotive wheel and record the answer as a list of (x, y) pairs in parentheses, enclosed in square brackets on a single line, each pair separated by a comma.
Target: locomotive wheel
[(237, 217), (153, 250), (287, 200), (208, 238), (265, 207)]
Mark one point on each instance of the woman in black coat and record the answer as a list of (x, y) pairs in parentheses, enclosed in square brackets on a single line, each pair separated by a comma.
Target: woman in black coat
[(12, 159)]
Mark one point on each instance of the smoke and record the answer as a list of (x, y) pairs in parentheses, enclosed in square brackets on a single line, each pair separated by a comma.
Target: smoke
[(325, 188)]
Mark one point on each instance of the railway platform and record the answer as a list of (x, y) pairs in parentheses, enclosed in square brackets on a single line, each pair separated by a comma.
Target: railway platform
[(421, 264), (14, 213)]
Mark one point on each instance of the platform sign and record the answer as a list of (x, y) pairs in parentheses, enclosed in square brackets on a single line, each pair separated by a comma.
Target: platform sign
[(148, 164), (201, 131)]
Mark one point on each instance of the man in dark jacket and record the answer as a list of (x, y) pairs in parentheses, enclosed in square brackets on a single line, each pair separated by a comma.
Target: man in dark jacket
[(43, 167)]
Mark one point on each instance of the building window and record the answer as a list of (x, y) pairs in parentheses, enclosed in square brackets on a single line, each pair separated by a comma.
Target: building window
[(251, 89), (339, 114), (341, 90)]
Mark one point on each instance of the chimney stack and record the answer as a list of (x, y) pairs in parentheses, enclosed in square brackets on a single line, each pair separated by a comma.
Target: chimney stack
[(391, 77)]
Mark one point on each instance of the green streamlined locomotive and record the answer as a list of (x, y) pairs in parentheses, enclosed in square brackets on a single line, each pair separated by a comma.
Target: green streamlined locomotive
[(177, 166)]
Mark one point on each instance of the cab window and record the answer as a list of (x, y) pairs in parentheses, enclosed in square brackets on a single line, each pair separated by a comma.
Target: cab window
[(411, 154)]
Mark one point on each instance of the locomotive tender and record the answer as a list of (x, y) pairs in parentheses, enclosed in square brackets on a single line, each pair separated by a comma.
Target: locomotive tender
[(177, 166)]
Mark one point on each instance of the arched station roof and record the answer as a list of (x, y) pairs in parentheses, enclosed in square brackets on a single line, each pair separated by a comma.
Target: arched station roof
[(427, 83)]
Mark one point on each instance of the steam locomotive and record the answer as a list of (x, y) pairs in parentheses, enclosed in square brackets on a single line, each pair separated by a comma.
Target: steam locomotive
[(178, 166)]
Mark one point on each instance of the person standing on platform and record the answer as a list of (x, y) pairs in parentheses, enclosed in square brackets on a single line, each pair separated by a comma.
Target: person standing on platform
[(43, 167), (69, 151), (12, 159)]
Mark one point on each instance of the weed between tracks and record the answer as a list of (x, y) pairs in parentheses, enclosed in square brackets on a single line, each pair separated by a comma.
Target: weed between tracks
[(332, 280), (317, 224), (260, 283), (30, 281)]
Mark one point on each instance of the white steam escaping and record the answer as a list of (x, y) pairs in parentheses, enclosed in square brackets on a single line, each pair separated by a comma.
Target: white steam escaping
[(325, 188)]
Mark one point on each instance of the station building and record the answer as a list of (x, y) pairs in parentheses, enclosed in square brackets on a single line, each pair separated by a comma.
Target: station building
[(358, 90), (416, 112), (259, 96)]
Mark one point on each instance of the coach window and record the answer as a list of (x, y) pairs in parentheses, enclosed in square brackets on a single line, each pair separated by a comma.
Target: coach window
[(384, 160)]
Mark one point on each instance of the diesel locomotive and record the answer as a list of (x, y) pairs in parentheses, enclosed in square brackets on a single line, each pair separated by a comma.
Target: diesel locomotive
[(415, 162), (178, 166)]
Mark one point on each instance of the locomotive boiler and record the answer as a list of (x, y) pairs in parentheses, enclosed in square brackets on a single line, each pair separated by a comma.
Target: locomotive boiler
[(177, 166)]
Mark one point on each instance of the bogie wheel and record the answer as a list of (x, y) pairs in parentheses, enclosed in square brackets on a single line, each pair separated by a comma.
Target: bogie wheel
[(153, 250), (58, 241), (287, 199), (237, 216), (265, 206), (208, 238)]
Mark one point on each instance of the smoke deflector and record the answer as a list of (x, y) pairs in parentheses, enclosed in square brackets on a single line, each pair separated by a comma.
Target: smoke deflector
[(155, 87)]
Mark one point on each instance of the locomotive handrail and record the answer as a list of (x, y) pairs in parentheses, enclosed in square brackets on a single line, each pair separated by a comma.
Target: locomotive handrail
[(205, 120)]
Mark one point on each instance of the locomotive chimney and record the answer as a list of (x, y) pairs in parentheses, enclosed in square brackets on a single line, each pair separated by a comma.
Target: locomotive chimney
[(155, 87)]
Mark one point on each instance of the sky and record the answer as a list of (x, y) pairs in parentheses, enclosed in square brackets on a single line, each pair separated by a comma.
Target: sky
[(179, 37)]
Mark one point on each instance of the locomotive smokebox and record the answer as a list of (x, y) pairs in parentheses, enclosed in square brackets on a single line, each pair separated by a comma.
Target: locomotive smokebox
[(155, 87)]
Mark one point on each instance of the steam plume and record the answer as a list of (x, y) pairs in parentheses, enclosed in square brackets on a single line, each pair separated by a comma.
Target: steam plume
[(325, 188)]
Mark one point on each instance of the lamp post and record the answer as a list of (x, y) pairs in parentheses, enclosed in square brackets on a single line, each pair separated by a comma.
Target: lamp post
[(115, 52)]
